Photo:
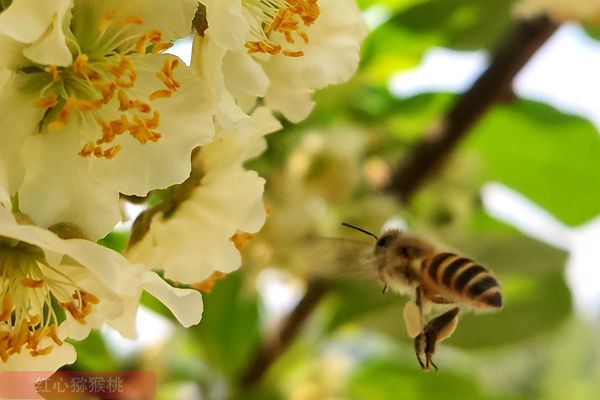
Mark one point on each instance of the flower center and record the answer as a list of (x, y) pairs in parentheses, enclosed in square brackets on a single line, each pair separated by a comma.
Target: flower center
[(282, 17), (104, 72), (32, 295)]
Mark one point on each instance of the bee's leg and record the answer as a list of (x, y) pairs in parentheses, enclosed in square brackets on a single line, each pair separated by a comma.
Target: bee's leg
[(419, 301), (384, 288), (435, 331)]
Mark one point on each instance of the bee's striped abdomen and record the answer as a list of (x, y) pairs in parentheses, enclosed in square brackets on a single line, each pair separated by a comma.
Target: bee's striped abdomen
[(460, 279)]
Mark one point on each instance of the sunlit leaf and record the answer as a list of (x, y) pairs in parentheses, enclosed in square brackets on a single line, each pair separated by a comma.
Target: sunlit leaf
[(550, 157)]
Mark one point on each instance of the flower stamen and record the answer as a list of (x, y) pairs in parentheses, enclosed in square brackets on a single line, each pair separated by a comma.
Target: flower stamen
[(96, 78), (285, 17)]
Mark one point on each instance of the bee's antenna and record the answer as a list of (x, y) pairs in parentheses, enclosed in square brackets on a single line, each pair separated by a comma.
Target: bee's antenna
[(359, 229)]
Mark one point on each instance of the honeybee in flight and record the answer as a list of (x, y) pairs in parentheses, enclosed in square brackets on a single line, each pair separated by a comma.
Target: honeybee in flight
[(412, 266)]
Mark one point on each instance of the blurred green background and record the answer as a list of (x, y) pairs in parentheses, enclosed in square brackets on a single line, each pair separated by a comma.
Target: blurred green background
[(524, 155)]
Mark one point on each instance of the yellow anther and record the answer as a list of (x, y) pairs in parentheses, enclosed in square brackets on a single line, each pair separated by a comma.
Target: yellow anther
[(55, 126), (286, 18), (297, 53), (140, 45), (53, 70), (133, 20), (32, 283), (53, 333), (241, 239), (41, 352), (21, 337), (152, 123), (158, 94), (124, 102), (47, 102), (36, 319), (7, 306), (160, 47), (36, 337), (105, 20), (87, 150), (108, 154), (80, 64), (207, 285), (140, 106)]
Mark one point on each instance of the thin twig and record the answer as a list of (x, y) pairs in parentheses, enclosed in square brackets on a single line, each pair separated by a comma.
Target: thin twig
[(429, 154), (274, 347)]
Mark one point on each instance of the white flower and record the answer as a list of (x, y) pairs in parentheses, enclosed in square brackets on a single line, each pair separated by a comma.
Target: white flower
[(196, 240), (560, 10), (38, 26), (121, 118), (282, 50), (52, 289)]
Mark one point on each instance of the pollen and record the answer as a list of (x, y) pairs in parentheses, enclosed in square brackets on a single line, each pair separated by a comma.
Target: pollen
[(47, 102), (32, 283), (106, 20), (28, 317), (207, 285), (280, 21), (103, 80)]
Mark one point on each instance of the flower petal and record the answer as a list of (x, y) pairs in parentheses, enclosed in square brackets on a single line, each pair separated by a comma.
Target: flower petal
[(185, 122), (19, 120), (185, 304), (58, 187), (30, 21)]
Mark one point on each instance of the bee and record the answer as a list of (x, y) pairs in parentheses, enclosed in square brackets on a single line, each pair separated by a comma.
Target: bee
[(433, 279)]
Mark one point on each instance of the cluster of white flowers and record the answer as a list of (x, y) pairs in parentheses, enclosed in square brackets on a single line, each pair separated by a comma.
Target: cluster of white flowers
[(560, 10), (94, 110)]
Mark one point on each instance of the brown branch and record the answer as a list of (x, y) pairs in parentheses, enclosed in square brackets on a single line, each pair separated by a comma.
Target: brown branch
[(424, 160), (271, 349), (492, 87)]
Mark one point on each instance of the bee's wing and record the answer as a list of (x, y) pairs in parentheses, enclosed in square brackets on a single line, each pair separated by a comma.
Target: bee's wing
[(336, 257)]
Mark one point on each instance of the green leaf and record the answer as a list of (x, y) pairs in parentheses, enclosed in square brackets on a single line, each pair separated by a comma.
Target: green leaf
[(116, 240), (550, 157), (393, 380), (229, 331), (460, 24), (93, 355)]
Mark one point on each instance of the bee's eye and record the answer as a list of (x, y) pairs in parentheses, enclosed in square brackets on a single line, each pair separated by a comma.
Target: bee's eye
[(384, 241)]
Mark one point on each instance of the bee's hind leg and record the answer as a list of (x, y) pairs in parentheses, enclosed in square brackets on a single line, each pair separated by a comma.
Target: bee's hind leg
[(435, 331)]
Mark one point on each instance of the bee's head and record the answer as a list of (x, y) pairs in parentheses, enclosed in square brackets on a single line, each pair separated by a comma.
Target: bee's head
[(402, 244), (386, 241)]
